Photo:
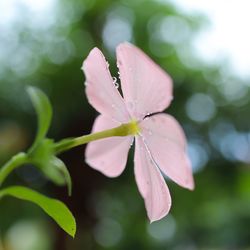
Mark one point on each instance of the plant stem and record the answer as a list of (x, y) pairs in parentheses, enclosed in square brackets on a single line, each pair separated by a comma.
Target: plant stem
[(66, 144), (13, 163), (123, 130)]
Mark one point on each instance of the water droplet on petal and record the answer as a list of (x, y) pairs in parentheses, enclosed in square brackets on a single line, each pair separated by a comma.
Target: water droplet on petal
[(115, 82), (119, 63), (150, 132), (107, 65), (130, 105)]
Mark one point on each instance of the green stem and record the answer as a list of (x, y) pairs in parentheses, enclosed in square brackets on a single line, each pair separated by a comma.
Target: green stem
[(66, 144), (123, 130), (13, 163)]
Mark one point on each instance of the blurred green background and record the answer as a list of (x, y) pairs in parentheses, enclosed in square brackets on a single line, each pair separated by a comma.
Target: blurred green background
[(44, 45)]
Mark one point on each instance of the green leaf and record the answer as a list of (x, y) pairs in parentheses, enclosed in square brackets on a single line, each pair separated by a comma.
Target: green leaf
[(51, 166), (59, 164), (43, 109), (54, 208)]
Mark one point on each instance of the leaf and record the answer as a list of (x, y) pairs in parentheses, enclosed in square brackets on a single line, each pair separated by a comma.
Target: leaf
[(54, 208), (43, 109), (51, 166), (59, 164)]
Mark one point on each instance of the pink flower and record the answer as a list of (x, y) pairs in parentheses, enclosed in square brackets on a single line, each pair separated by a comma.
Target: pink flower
[(160, 143)]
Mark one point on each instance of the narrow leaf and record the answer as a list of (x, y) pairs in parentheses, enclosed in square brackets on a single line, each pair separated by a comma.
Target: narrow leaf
[(64, 171), (43, 109), (54, 208), (52, 167)]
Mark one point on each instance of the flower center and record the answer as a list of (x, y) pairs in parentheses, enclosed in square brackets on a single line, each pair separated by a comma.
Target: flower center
[(134, 128)]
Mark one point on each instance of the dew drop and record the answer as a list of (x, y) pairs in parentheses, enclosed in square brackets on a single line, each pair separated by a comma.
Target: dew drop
[(150, 132), (119, 63), (130, 105), (107, 65), (115, 82)]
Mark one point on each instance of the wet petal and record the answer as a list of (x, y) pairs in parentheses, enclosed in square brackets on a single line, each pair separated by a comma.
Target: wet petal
[(109, 155), (146, 87), (167, 143), (100, 88), (150, 183)]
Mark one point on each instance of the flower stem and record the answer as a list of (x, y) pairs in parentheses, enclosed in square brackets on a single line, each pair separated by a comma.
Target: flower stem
[(13, 163), (66, 144), (123, 130)]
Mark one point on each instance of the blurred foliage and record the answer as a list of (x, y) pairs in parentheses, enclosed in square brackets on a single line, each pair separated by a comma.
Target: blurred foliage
[(46, 49)]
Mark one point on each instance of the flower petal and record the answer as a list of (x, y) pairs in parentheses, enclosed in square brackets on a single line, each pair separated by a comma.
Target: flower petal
[(108, 155), (150, 183), (100, 88), (146, 87), (167, 143)]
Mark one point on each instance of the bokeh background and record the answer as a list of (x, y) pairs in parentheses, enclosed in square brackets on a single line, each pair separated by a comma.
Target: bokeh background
[(43, 43)]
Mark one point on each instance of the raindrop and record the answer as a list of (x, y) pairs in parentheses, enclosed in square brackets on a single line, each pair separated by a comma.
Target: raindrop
[(119, 63), (115, 82), (150, 132), (107, 64), (130, 105)]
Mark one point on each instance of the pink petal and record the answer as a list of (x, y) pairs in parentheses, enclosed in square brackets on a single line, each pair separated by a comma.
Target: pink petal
[(100, 89), (108, 155), (151, 183), (167, 143), (146, 87)]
